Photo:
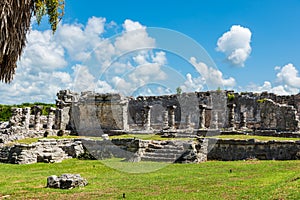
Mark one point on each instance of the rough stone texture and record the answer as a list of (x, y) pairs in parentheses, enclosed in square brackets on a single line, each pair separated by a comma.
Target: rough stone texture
[(253, 149), (94, 113), (278, 116), (64, 102), (45, 150), (66, 181)]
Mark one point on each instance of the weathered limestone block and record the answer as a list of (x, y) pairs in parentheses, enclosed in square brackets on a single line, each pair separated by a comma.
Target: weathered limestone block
[(215, 120), (37, 118), (243, 120), (171, 110), (26, 117), (231, 117), (188, 121), (16, 118), (277, 116), (165, 120), (202, 117), (147, 114), (66, 181), (50, 118), (229, 149)]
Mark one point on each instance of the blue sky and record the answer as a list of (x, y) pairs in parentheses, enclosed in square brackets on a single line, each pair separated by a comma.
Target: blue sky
[(255, 46)]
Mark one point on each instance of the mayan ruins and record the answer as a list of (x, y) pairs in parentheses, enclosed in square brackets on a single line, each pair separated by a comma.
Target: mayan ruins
[(189, 119)]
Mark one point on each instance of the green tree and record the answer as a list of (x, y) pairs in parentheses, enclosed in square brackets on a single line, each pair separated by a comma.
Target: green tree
[(178, 90), (15, 18)]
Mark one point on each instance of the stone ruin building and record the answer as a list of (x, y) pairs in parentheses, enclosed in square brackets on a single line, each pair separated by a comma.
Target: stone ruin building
[(94, 113), (187, 115)]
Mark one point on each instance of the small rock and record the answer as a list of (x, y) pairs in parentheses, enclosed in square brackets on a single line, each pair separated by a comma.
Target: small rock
[(105, 137)]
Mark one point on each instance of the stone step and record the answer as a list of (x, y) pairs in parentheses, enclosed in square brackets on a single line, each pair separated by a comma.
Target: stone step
[(168, 147), (167, 151), (158, 159), (186, 135), (155, 155)]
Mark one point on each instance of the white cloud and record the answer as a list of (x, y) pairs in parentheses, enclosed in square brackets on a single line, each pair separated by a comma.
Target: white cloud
[(133, 38), (287, 82), (288, 75), (43, 51), (212, 77), (132, 26), (80, 40), (236, 44), (192, 84), (268, 87), (74, 58), (144, 68)]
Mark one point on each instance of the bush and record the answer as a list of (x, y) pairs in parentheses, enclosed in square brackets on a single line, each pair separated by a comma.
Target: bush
[(261, 100), (230, 97)]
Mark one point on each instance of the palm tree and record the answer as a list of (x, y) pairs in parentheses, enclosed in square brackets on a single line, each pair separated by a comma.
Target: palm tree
[(15, 18)]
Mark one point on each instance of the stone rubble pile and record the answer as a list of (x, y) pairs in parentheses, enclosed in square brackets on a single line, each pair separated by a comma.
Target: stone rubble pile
[(66, 181)]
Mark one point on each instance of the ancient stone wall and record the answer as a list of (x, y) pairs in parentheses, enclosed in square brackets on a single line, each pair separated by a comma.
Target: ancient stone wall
[(94, 113), (186, 106), (229, 150), (277, 116), (45, 150)]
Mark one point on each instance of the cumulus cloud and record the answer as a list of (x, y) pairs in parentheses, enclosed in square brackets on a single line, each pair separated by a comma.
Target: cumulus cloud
[(73, 58), (236, 44), (288, 74), (192, 84), (287, 82), (212, 77), (145, 68), (134, 37)]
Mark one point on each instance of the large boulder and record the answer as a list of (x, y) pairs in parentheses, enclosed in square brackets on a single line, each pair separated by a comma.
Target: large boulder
[(66, 181)]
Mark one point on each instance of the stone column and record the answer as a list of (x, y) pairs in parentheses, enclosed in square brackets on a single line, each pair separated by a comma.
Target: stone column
[(147, 110), (188, 121), (202, 116), (58, 118), (165, 120), (171, 110), (26, 117), (37, 117), (143, 117), (50, 118), (16, 118), (243, 122), (125, 116), (231, 121), (214, 123)]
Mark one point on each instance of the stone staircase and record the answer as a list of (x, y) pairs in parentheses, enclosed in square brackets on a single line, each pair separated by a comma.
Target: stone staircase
[(163, 151)]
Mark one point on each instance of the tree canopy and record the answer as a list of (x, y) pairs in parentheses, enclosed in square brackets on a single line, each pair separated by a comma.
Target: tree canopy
[(15, 18)]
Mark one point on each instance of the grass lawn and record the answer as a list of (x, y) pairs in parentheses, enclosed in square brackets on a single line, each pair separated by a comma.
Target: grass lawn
[(261, 138), (209, 180), (155, 137)]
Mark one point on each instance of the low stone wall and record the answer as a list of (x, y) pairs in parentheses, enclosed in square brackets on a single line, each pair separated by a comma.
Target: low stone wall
[(229, 150), (45, 150), (51, 150), (274, 133)]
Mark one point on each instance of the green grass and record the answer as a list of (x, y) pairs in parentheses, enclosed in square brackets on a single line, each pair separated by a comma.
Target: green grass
[(154, 137), (145, 137), (261, 138), (33, 140), (210, 180)]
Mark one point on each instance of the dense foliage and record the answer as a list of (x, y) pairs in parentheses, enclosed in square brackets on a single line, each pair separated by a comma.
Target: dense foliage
[(5, 110)]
